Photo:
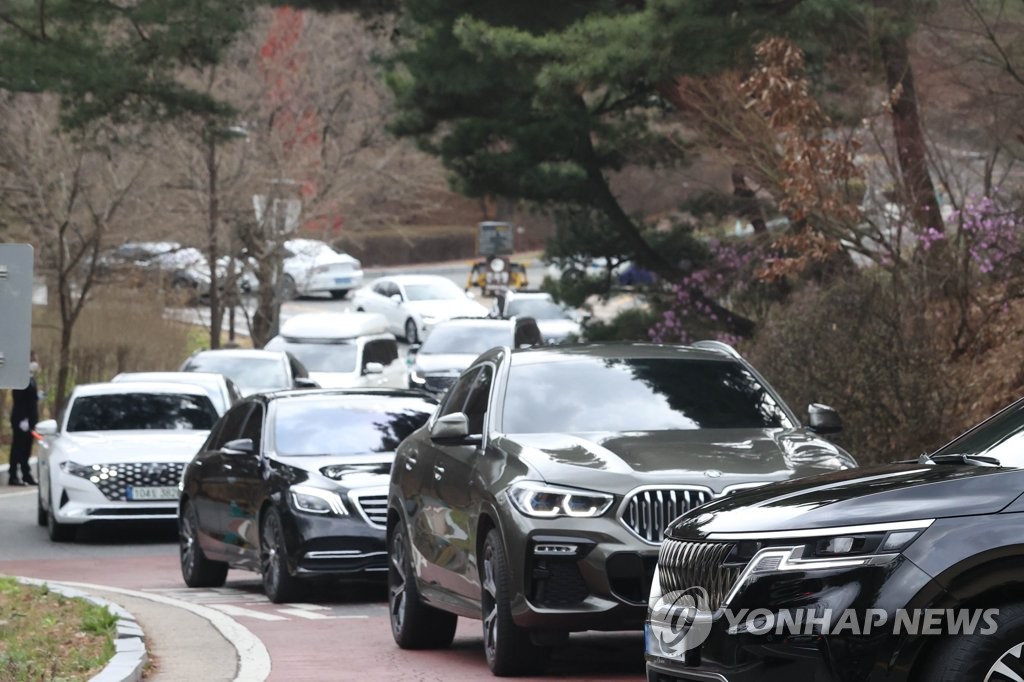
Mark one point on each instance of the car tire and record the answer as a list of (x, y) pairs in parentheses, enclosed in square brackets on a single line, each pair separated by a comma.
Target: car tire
[(279, 584), (414, 625), (286, 288), (974, 657), (411, 333), (196, 569), (58, 532), (507, 646), (338, 294), (41, 516)]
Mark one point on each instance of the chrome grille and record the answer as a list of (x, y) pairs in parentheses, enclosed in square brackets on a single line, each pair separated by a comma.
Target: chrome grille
[(374, 508), (682, 565), (114, 479), (648, 512)]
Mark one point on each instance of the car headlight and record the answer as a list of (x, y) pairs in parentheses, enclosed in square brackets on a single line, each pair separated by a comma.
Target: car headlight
[(547, 501), (312, 500), (85, 471)]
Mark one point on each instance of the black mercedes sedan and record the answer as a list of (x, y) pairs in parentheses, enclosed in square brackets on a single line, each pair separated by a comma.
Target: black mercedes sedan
[(293, 485), (911, 571)]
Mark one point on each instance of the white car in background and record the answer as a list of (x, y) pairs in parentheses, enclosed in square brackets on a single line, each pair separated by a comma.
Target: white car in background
[(344, 350), (222, 390), (118, 453), (314, 267), (413, 304)]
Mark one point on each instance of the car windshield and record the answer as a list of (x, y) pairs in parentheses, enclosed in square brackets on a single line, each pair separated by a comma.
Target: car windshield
[(537, 308), (466, 339), (132, 411), (329, 426), (432, 291), (588, 394), (1000, 437), (251, 373), (320, 357)]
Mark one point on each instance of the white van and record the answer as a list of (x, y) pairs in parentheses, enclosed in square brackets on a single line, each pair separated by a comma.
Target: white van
[(344, 350)]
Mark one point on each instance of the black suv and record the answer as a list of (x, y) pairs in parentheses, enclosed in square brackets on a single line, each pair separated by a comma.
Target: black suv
[(536, 496), (911, 571)]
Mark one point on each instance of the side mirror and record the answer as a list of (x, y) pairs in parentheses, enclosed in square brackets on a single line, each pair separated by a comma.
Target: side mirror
[(239, 446), (47, 427), (373, 368), (305, 382), (397, 298), (823, 419), (452, 428)]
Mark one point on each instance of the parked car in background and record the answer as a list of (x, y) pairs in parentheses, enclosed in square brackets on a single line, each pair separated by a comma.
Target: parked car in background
[(293, 486), (118, 453), (536, 497), (252, 370), (453, 345), (187, 269), (344, 350), (413, 304), (934, 541), (315, 267), (557, 323), (223, 392)]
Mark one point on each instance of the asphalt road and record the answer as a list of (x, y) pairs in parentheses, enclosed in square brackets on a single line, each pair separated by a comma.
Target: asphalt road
[(339, 634)]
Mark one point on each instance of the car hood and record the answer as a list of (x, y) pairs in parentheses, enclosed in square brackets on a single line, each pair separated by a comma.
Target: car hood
[(96, 447), (714, 458), (448, 308), (885, 494), (352, 472), (444, 363)]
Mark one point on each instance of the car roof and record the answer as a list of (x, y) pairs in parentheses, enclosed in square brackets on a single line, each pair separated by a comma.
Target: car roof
[(334, 325), (241, 353), (122, 387), (350, 392), (171, 377), (543, 354)]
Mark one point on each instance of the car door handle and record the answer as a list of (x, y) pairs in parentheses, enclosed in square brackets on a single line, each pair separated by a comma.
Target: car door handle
[(410, 462), (438, 472)]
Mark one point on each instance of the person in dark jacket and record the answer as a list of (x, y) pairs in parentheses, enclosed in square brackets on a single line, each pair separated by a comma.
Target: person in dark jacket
[(24, 415)]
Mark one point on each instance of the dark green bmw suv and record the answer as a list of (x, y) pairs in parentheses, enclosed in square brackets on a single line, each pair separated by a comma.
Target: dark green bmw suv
[(536, 497)]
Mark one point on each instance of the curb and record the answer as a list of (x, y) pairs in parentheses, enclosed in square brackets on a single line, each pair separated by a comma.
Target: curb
[(129, 641)]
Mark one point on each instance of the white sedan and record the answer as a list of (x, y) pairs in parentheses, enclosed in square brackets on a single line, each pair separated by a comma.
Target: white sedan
[(118, 453), (314, 267), (413, 304)]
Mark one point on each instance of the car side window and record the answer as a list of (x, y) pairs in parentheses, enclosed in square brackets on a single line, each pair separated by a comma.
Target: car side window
[(297, 368), (476, 402), (456, 396), (231, 425), (381, 288), (384, 351), (254, 427), (393, 289)]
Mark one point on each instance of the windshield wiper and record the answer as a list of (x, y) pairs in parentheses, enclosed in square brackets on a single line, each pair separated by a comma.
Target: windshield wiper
[(960, 458)]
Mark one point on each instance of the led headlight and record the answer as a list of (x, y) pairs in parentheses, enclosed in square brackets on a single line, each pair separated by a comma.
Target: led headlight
[(316, 500), (547, 501), (90, 472)]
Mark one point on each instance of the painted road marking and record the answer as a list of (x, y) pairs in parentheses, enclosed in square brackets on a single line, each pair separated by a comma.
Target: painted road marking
[(246, 613)]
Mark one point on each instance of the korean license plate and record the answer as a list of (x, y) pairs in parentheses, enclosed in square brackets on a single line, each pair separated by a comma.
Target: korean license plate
[(156, 492), (342, 280)]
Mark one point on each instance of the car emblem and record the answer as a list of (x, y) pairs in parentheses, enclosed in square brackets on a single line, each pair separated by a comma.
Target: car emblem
[(713, 473)]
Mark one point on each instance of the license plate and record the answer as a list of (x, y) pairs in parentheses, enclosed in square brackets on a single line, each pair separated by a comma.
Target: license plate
[(342, 280), (156, 492)]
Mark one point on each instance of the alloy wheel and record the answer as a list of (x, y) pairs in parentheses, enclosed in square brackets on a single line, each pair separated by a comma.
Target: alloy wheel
[(397, 582), (490, 600), (1009, 666)]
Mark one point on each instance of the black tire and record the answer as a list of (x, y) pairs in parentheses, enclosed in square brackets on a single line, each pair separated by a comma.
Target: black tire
[(58, 532), (41, 516), (974, 656), (196, 569), (338, 294), (286, 289), (411, 332), (279, 584), (507, 646), (414, 625)]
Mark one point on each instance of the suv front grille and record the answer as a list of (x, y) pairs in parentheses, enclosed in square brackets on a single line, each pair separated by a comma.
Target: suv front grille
[(648, 512), (683, 565), (113, 479), (374, 508)]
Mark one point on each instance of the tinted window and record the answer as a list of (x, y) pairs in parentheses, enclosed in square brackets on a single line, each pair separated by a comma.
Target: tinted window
[(129, 411), (464, 338), (319, 357), (254, 427), (643, 394), (230, 426), (1001, 436), (431, 291), (251, 373), (343, 426), (456, 396), (476, 403), (537, 308)]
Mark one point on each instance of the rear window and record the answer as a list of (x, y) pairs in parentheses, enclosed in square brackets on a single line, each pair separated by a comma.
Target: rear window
[(325, 426), (251, 373), (466, 339), (141, 411), (320, 357), (637, 394)]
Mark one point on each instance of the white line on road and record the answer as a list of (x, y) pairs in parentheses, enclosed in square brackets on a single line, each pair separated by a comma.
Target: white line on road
[(247, 613)]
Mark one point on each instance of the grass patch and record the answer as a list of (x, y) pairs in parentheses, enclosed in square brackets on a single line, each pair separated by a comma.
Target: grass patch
[(47, 636)]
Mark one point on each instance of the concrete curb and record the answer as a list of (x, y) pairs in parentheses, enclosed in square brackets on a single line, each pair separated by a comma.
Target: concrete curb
[(129, 641)]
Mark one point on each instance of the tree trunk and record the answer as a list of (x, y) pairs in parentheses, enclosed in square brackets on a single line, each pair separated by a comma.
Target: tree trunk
[(213, 254)]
